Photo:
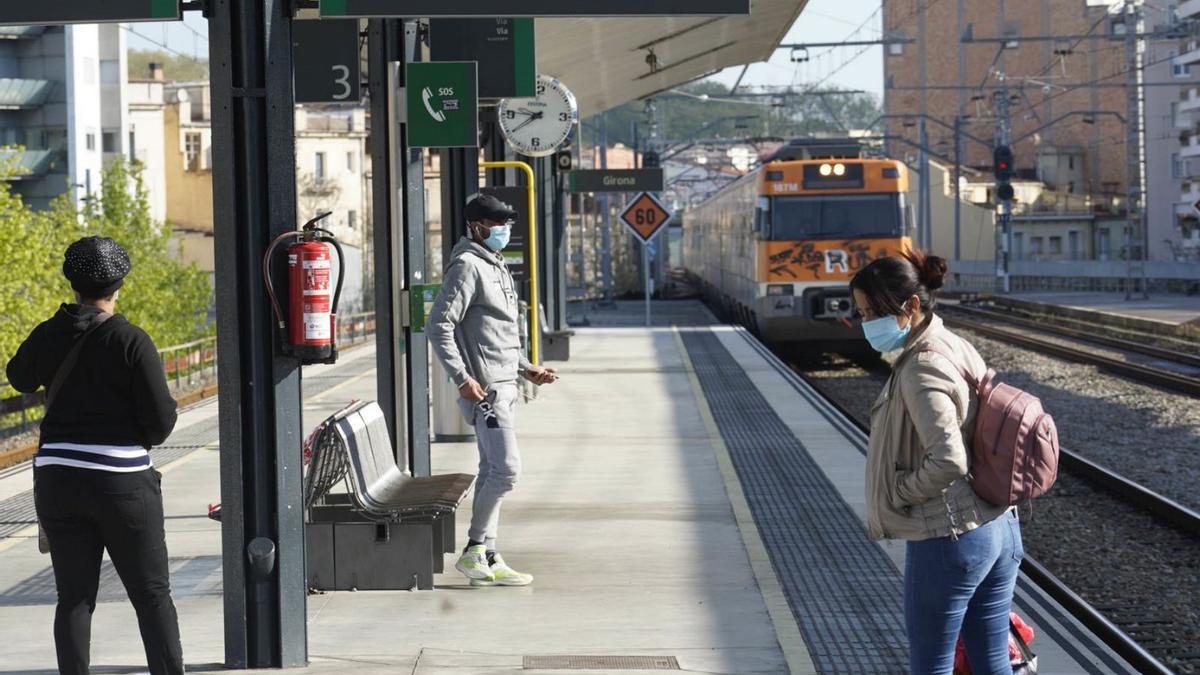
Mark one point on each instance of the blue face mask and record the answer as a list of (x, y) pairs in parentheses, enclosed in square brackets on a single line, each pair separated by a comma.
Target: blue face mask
[(885, 334), (498, 238)]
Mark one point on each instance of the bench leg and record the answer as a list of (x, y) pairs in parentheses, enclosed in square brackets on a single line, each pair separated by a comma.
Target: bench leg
[(439, 546), (448, 532)]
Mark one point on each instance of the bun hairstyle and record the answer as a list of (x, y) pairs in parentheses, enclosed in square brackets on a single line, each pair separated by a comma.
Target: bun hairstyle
[(890, 282)]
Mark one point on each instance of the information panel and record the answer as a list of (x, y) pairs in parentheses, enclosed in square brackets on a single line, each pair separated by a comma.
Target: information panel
[(489, 8), (327, 67), (87, 11), (615, 180), (502, 47)]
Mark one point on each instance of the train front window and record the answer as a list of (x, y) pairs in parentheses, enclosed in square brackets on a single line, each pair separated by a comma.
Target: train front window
[(836, 216)]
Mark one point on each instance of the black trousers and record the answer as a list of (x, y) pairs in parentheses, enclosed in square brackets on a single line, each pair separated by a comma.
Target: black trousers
[(83, 512)]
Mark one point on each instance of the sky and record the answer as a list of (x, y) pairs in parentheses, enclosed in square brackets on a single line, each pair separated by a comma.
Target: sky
[(822, 20)]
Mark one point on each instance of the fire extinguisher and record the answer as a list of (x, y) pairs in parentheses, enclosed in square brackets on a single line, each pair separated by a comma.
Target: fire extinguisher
[(310, 330)]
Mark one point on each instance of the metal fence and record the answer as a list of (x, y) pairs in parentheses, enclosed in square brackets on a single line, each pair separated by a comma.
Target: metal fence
[(188, 367)]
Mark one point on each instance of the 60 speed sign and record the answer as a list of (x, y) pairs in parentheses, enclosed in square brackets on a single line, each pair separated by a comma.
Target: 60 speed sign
[(645, 216)]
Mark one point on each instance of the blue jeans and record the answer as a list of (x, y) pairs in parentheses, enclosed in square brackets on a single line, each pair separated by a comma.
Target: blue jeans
[(962, 585)]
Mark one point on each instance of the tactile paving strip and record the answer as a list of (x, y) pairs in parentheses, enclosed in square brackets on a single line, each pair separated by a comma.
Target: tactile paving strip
[(190, 577), (599, 662), (843, 590)]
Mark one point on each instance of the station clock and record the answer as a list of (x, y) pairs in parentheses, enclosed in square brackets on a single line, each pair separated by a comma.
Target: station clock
[(538, 126)]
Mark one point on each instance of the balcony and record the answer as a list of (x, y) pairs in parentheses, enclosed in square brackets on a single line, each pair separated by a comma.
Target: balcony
[(1190, 52), (21, 32), (18, 94), (28, 164), (1189, 100), (1190, 145), (1188, 9)]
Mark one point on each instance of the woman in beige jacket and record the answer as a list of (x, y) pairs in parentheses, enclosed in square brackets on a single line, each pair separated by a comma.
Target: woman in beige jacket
[(963, 553)]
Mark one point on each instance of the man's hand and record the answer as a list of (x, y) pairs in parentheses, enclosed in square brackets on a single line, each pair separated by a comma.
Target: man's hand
[(472, 392), (540, 375)]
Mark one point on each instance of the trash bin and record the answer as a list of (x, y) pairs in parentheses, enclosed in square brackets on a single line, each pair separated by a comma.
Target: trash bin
[(449, 425)]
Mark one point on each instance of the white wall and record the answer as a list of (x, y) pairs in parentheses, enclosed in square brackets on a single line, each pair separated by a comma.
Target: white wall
[(84, 120), (145, 102)]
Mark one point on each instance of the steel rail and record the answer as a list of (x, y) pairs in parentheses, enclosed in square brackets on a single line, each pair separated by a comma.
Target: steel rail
[(1146, 374)]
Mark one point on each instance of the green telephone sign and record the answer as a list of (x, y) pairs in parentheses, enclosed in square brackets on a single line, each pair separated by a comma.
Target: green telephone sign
[(442, 104)]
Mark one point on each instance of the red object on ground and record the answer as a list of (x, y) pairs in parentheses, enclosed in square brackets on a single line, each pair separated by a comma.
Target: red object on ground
[(963, 667)]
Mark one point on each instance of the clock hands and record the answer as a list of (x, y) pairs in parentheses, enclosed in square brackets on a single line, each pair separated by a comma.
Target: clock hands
[(532, 118)]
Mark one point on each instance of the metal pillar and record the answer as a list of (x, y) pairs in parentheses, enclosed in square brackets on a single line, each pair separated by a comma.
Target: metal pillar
[(416, 384), (460, 180), (562, 243), (924, 227), (254, 199), (1003, 208), (958, 187), (383, 50), (606, 221)]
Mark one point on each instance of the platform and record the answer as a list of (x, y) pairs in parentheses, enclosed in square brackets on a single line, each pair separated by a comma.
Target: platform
[(1172, 309), (684, 496)]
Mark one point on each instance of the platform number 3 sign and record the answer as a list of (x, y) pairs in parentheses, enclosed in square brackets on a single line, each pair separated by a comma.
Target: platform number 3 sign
[(645, 216)]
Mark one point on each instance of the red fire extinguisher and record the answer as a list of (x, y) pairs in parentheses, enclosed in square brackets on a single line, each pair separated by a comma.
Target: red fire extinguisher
[(310, 330)]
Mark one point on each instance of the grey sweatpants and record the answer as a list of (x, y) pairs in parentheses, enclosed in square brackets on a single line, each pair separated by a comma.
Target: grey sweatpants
[(499, 458)]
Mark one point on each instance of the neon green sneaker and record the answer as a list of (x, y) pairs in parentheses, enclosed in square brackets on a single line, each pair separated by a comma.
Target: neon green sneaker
[(473, 563), (503, 575)]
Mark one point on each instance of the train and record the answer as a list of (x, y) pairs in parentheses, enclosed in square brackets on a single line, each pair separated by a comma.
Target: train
[(775, 249)]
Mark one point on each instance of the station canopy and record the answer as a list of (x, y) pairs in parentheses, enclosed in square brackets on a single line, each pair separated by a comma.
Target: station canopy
[(611, 61)]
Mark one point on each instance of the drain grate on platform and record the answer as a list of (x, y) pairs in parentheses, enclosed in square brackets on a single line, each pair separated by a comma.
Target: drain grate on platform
[(586, 662)]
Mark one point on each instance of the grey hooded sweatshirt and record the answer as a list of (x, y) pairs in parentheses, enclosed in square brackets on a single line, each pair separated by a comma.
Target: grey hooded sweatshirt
[(473, 326)]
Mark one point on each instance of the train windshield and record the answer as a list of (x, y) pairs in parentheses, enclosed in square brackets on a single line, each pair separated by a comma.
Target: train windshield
[(836, 216)]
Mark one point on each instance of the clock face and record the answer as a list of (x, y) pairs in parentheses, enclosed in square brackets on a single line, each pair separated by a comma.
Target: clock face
[(538, 126)]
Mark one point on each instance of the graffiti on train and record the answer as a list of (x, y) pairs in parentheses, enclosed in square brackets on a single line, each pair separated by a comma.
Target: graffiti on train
[(823, 260)]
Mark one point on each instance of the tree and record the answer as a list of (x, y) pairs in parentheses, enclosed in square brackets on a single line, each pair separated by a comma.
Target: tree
[(176, 68), (168, 300)]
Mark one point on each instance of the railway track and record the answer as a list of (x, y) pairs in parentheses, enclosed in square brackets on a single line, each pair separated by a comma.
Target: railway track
[(1112, 632), (1169, 369)]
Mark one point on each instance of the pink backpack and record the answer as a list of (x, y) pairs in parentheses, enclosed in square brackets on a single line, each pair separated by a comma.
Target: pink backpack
[(1014, 452)]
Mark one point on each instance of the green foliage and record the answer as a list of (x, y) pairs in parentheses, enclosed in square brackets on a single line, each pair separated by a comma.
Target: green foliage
[(169, 301), (175, 68), (682, 117), (166, 299)]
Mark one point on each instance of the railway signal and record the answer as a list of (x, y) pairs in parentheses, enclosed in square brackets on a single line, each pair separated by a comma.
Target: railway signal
[(1003, 168)]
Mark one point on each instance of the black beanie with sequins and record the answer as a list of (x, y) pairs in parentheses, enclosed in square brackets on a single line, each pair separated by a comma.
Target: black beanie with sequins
[(96, 266)]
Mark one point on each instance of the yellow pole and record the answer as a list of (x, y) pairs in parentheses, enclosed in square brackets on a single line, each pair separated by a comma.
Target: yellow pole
[(535, 337)]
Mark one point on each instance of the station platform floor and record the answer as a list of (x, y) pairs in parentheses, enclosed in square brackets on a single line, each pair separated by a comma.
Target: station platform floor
[(684, 496), (1173, 309)]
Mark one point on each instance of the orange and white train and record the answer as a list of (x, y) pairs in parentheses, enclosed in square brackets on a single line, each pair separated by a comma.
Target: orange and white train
[(775, 250)]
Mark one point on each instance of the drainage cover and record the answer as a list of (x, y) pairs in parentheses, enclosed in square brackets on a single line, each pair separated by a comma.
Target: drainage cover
[(583, 662)]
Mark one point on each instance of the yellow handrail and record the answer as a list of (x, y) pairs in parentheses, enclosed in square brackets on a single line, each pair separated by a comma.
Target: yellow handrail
[(535, 338)]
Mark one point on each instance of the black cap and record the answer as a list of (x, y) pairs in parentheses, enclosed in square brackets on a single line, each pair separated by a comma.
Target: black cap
[(96, 266), (487, 207)]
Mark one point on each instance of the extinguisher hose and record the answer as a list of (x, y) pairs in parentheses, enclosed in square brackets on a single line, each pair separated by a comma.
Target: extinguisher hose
[(266, 272), (326, 235)]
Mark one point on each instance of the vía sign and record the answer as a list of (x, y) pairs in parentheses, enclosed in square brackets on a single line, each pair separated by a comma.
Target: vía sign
[(490, 8)]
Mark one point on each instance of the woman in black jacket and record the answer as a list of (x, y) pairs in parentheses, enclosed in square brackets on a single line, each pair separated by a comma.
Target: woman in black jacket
[(95, 485)]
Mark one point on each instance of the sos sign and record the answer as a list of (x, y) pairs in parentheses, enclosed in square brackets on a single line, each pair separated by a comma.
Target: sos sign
[(645, 216)]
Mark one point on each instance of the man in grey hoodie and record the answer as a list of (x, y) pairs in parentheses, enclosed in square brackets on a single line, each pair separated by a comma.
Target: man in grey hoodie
[(474, 330)]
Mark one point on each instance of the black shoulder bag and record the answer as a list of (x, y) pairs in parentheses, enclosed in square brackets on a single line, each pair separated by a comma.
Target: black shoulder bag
[(60, 376)]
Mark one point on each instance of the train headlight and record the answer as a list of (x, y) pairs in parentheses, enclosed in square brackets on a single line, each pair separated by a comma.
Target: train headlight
[(775, 290), (826, 169), (839, 169)]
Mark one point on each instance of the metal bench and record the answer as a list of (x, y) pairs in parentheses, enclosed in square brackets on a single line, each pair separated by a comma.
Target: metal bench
[(389, 530)]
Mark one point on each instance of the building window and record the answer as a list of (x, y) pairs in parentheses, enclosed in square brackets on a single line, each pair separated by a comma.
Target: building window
[(1177, 166), (350, 162), (896, 48), (1056, 246), (1071, 187), (352, 219), (89, 140), (319, 166), (1073, 244), (1035, 246), (1071, 164), (191, 150), (1179, 69), (132, 146), (1103, 248), (108, 140), (1018, 245)]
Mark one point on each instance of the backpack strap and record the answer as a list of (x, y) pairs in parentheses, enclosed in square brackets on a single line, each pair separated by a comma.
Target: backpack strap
[(68, 364), (940, 350), (1026, 653)]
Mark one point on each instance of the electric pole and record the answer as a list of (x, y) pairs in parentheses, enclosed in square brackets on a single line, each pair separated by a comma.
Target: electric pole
[(1135, 231), (1004, 190)]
